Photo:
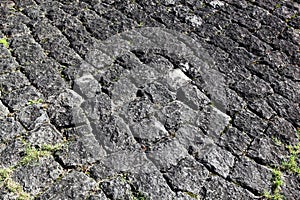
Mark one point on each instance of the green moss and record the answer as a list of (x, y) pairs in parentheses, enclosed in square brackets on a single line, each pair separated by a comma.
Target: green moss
[(4, 174), (52, 148), (17, 189), (140, 196), (32, 154), (291, 165), (277, 141), (4, 42), (277, 6), (12, 186), (31, 102), (277, 182), (192, 195)]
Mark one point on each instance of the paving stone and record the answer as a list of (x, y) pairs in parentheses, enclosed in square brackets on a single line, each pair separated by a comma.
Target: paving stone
[(152, 185), (266, 151), (176, 114), (217, 187), (115, 135), (32, 116), (212, 121), (19, 98), (193, 139), (7, 195), (98, 196), (247, 89), (13, 81), (9, 129), (188, 175), (98, 107), (255, 177), (155, 61), (11, 153), (124, 91), (3, 111), (288, 89), (83, 151), (74, 185), (126, 161), (36, 177), (142, 175), (143, 75), (175, 79), (282, 130), (137, 110), (142, 89), (290, 188), (149, 131), (285, 109), (250, 123), (186, 196), (27, 51), (117, 188), (235, 103), (166, 154), (262, 108), (158, 94), (65, 109), (44, 134), (46, 77), (218, 160), (7, 64), (236, 141), (191, 96)]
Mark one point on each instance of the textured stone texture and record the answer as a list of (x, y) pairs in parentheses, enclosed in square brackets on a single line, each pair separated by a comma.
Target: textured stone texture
[(151, 99)]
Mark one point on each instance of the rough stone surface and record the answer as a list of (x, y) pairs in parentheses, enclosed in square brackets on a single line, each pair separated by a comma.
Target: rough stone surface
[(74, 185), (153, 99), (36, 177)]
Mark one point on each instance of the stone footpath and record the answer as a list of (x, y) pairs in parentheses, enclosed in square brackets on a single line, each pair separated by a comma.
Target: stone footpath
[(139, 99)]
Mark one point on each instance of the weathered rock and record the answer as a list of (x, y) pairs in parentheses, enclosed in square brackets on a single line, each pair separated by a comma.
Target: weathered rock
[(237, 142), (216, 187), (87, 85), (216, 159), (74, 185), (166, 154), (191, 96), (83, 151), (36, 177), (188, 175), (255, 177), (10, 129), (149, 130), (250, 123), (212, 121)]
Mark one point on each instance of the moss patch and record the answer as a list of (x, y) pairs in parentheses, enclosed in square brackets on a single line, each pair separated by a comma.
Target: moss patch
[(4, 42)]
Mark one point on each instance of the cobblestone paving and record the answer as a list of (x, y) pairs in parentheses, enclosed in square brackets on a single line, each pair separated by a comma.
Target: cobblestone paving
[(136, 99)]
